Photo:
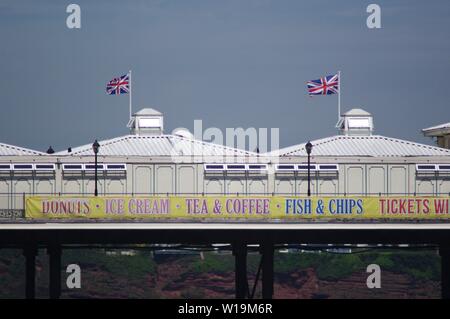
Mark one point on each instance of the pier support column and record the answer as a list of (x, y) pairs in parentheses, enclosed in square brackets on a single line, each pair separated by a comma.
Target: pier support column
[(240, 261), (54, 252), (30, 253), (267, 270), (444, 252)]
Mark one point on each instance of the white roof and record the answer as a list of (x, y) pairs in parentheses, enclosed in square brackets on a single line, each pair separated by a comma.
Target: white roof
[(437, 128), (357, 112), (157, 145), (445, 125), (11, 150), (364, 146), (148, 111)]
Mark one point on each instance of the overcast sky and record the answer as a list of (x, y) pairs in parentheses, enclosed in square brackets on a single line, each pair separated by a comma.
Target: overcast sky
[(235, 63)]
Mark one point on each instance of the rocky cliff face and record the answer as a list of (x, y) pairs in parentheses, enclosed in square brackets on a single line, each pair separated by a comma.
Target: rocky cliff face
[(172, 281), (304, 284), (174, 278)]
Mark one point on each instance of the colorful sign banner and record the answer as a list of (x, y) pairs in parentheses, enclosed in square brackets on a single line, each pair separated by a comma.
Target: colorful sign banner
[(236, 207)]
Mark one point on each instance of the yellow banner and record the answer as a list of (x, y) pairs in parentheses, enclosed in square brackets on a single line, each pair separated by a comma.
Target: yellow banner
[(233, 207)]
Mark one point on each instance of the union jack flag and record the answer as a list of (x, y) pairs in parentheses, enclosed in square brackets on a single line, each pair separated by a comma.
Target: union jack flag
[(324, 86), (119, 85)]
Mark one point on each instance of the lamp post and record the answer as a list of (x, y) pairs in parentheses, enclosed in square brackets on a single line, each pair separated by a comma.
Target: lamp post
[(309, 147), (95, 148)]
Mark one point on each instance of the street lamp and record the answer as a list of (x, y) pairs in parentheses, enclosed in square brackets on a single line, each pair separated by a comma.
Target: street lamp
[(95, 148), (309, 147)]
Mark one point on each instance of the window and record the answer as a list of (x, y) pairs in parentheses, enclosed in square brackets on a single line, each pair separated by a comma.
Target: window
[(91, 167), (27, 167), (72, 167), (426, 167), (445, 167), (257, 167), (116, 167), (304, 167), (236, 167), (23, 167), (358, 123), (44, 167), (285, 167), (150, 123), (5, 167), (328, 167), (213, 167)]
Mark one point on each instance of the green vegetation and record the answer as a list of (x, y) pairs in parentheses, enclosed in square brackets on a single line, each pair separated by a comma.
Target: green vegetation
[(134, 267), (327, 266), (419, 265), (142, 276), (222, 263), (12, 267), (212, 262)]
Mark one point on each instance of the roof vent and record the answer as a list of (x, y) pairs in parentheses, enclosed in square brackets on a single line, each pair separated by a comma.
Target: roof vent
[(146, 122), (50, 150), (356, 122), (182, 132)]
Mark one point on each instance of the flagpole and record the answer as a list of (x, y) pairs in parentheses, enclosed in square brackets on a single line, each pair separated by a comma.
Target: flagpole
[(339, 96), (130, 95)]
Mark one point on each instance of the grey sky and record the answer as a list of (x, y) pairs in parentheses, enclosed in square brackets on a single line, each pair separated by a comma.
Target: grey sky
[(236, 63)]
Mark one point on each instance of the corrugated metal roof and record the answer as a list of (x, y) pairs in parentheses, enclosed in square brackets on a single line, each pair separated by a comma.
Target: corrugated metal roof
[(364, 146), (158, 145), (11, 150), (437, 127)]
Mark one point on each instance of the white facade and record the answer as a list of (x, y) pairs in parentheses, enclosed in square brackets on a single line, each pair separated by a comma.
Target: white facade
[(148, 162)]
